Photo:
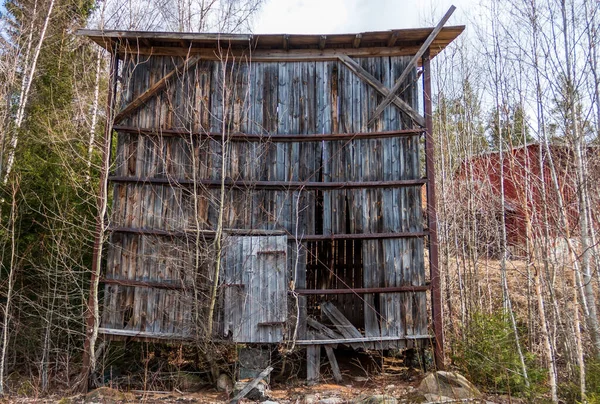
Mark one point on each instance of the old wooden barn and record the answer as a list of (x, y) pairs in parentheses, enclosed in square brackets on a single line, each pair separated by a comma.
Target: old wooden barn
[(267, 188)]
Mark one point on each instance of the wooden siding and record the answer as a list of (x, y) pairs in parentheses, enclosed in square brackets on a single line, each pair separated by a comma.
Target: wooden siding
[(271, 98)]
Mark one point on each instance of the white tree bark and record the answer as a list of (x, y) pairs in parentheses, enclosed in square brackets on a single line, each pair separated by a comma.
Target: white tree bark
[(24, 96)]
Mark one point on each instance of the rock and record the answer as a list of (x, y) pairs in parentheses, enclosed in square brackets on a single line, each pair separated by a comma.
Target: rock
[(360, 379), (224, 383), (448, 384), (377, 399), (269, 402), (105, 395), (332, 400), (310, 399)]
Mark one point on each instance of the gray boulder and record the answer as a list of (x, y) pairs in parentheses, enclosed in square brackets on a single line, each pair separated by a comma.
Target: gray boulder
[(448, 385)]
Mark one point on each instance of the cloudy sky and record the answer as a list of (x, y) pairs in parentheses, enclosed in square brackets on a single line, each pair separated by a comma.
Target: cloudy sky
[(349, 16)]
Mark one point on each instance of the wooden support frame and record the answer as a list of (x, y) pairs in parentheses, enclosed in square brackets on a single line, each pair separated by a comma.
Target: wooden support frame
[(413, 62), (436, 294), (381, 89), (313, 363), (155, 88), (293, 48), (101, 201)]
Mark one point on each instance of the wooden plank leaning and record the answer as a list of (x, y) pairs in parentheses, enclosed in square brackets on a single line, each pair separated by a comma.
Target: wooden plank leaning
[(251, 385), (381, 88), (411, 65), (343, 325), (337, 375), (155, 88)]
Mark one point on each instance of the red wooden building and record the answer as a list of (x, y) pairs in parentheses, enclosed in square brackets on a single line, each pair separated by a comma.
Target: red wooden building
[(530, 194)]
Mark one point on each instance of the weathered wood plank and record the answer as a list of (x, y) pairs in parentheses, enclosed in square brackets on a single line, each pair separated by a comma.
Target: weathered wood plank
[(155, 88), (262, 375), (340, 322), (377, 85), (337, 375), (313, 363), (411, 65)]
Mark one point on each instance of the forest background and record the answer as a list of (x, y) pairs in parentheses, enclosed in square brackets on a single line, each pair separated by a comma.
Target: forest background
[(521, 320)]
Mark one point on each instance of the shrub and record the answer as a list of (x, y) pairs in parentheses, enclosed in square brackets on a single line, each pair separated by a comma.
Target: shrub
[(487, 354)]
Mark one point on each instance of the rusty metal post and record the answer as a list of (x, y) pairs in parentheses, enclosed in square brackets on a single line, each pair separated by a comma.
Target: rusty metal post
[(436, 295), (99, 231)]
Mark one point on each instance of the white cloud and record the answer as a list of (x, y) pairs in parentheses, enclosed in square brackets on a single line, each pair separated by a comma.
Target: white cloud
[(348, 16)]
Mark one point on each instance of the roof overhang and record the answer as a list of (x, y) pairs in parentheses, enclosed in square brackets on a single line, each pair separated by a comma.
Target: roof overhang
[(401, 42)]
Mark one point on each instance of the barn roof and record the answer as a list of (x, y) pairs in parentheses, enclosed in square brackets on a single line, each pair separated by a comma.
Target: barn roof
[(397, 42)]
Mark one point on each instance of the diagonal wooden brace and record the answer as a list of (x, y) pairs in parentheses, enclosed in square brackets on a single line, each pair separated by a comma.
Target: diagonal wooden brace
[(381, 88), (411, 65), (155, 88)]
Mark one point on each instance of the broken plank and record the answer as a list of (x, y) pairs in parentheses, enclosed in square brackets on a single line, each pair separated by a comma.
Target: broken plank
[(337, 375), (340, 322), (251, 385), (326, 331)]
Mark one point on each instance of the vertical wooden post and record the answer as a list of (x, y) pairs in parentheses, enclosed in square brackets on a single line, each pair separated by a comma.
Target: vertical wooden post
[(436, 296), (313, 363), (100, 221)]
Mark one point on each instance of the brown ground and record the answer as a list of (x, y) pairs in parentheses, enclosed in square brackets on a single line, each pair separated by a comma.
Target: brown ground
[(400, 386)]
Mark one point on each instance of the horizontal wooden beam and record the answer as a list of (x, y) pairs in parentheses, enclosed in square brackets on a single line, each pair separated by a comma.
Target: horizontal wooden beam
[(259, 232), (362, 291), (143, 334), (273, 138), (270, 185), (364, 236), (359, 340), (158, 232), (203, 232), (174, 36), (266, 55), (147, 284)]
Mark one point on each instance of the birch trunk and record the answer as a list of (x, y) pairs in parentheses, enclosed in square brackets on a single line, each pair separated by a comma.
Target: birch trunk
[(24, 97), (10, 286)]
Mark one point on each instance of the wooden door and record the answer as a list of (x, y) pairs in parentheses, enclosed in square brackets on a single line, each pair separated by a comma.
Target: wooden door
[(255, 284)]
